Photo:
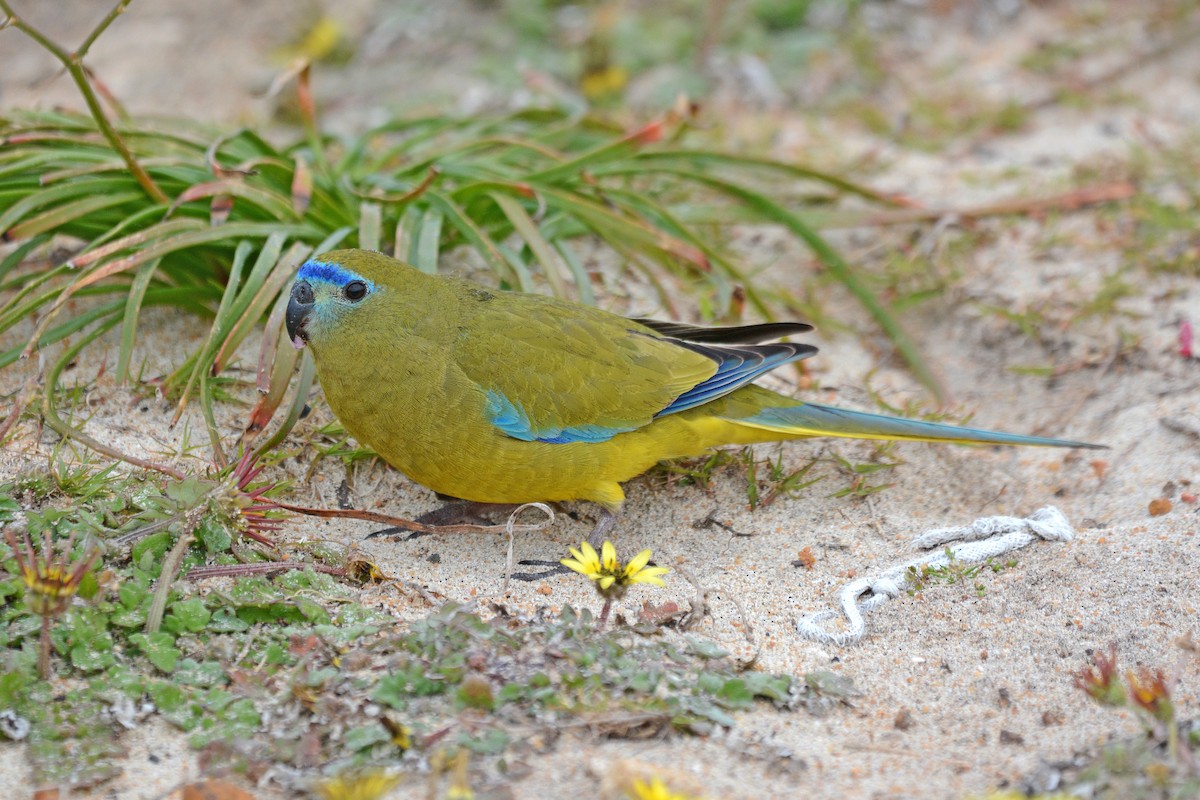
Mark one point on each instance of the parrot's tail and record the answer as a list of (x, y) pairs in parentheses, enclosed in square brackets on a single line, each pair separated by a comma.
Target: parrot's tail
[(810, 419)]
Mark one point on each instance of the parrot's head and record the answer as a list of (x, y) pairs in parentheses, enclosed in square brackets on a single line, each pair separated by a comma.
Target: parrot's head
[(331, 291)]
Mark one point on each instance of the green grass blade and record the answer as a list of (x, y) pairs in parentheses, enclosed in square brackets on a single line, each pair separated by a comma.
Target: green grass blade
[(57, 195), (239, 306), (476, 236), (61, 215), (264, 293), (429, 240), (21, 252), (173, 296), (619, 227), (19, 308), (688, 161), (303, 384), (406, 231), (276, 362), (332, 240), (583, 281), (273, 205), (527, 229), (133, 305), (201, 361), (370, 224), (605, 153)]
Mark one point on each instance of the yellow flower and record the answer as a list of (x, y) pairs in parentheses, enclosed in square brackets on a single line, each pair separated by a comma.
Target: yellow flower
[(636, 570), (605, 568), (655, 790), (51, 579), (401, 733), (358, 786), (1149, 690), (586, 562), (460, 781)]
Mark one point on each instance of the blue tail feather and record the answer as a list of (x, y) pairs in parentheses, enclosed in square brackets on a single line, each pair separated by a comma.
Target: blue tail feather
[(818, 420)]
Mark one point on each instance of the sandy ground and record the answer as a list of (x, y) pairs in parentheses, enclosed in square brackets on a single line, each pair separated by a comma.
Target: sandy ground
[(986, 680)]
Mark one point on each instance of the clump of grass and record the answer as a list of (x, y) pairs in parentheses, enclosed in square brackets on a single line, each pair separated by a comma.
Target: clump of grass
[(954, 573), (768, 480)]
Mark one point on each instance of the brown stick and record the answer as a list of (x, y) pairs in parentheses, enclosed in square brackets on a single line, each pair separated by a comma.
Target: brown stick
[(259, 568), (400, 522), (1066, 201)]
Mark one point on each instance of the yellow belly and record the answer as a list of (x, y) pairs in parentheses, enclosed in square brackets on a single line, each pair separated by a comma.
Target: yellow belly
[(464, 456)]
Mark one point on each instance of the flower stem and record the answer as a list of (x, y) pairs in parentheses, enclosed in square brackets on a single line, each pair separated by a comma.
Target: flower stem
[(44, 649), (603, 621)]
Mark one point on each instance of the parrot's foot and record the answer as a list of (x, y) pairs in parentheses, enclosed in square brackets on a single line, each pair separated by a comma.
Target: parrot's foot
[(596, 538), (455, 512), (466, 512)]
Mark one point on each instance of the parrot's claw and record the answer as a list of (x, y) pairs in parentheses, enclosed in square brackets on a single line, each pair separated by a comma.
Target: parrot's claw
[(397, 530), (555, 568)]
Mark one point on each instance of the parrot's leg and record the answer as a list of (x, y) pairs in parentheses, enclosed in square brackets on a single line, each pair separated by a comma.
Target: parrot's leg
[(604, 526)]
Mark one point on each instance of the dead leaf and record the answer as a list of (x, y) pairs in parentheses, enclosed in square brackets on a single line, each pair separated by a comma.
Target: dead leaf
[(213, 789)]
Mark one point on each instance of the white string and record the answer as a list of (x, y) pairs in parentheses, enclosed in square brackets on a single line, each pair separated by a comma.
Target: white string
[(987, 537), (511, 525)]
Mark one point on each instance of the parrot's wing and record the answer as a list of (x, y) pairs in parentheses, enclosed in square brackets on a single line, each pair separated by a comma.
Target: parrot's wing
[(558, 372), (737, 365)]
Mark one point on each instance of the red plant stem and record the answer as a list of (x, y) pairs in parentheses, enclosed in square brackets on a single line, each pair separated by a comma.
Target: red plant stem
[(603, 620)]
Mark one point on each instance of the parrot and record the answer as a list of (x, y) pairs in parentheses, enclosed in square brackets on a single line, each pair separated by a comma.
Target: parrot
[(496, 397)]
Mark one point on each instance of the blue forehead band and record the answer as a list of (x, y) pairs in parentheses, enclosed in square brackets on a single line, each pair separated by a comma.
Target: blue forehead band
[(329, 272)]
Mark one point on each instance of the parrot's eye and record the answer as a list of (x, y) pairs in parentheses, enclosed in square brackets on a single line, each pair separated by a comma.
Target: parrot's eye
[(355, 291)]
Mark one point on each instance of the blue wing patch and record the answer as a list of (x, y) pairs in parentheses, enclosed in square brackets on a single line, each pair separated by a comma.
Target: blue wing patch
[(512, 421)]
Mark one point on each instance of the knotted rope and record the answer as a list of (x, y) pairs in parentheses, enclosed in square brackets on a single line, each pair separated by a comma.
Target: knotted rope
[(987, 537)]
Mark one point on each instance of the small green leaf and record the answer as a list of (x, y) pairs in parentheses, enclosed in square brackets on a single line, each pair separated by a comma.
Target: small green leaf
[(159, 649), (166, 696), (365, 736), (489, 743), (705, 648), (214, 536), (187, 615)]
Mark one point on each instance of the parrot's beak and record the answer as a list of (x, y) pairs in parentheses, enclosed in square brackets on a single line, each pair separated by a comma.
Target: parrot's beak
[(299, 305)]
